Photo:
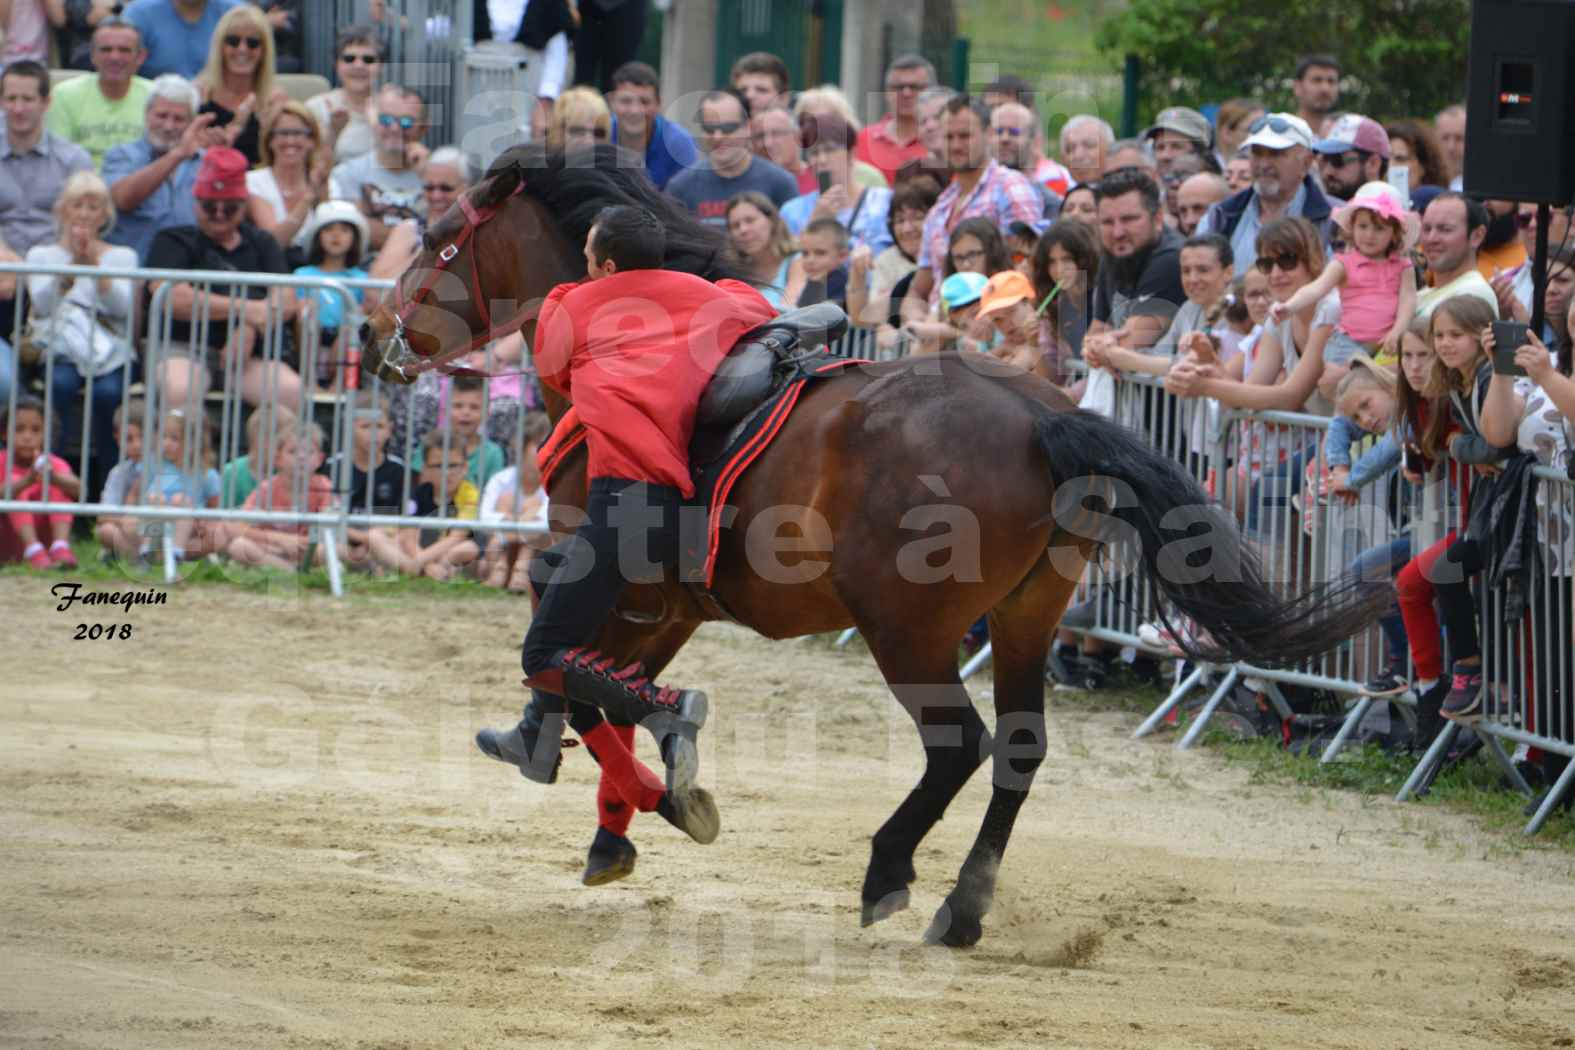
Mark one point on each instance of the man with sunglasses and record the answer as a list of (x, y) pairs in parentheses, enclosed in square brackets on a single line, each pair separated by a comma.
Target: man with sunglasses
[(1354, 153), (176, 33), (385, 184), (1280, 145), (729, 167), (239, 318), (1016, 141), (1514, 286)]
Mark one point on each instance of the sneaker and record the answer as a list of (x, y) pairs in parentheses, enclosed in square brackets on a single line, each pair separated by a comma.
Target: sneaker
[(62, 557), (40, 559), (1464, 702), (1391, 682)]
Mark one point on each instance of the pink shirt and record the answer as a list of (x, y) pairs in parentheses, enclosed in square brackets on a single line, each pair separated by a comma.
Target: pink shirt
[(278, 494), (27, 34), (15, 473), (1371, 296)]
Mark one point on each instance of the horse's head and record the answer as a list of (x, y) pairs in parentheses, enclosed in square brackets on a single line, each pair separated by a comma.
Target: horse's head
[(446, 303)]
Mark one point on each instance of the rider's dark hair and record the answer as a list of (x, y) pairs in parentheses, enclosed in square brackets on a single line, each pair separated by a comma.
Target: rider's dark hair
[(630, 236)]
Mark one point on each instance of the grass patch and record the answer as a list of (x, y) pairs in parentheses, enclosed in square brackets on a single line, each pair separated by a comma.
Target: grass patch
[(1474, 787), (94, 572)]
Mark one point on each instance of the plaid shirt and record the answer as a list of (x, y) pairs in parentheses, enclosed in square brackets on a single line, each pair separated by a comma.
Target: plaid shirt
[(1002, 195)]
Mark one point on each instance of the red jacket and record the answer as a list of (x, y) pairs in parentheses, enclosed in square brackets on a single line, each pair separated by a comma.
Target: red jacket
[(634, 352)]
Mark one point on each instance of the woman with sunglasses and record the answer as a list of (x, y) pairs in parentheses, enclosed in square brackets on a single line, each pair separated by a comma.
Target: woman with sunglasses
[(293, 179), (346, 113), (580, 119), (237, 82), (1290, 255)]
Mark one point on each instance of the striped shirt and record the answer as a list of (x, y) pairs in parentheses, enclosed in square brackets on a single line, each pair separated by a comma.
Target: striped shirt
[(1002, 195)]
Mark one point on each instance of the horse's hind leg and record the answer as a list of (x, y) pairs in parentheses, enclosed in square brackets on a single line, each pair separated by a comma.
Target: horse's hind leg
[(955, 742), (1021, 626)]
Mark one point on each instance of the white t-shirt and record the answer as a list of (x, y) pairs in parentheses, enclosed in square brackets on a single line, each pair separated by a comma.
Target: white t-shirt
[(1469, 283), (503, 487), (261, 183)]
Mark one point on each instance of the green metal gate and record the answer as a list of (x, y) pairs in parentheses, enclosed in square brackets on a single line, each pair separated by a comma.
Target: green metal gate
[(806, 36)]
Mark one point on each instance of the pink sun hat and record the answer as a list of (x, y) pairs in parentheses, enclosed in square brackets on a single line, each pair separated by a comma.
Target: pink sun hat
[(1380, 199)]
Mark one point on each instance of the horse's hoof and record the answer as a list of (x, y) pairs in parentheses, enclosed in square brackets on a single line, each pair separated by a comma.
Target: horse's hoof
[(611, 858), (885, 908), (692, 811), (953, 930)]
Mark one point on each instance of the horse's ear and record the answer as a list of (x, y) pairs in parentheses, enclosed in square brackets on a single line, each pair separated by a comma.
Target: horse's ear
[(500, 183)]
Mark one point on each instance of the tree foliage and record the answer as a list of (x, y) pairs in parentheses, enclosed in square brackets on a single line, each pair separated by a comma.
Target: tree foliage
[(1398, 58)]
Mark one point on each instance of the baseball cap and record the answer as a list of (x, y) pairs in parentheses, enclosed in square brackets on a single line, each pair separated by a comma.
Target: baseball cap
[(1354, 131), (960, 289), (1003, 290), (1279, 131), (221, 175), (1183, 121)]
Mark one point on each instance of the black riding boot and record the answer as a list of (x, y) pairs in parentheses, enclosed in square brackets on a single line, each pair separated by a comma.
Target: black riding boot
[(535, 745)]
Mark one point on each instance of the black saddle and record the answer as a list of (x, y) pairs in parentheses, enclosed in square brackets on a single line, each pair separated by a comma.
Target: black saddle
[(764, 358)]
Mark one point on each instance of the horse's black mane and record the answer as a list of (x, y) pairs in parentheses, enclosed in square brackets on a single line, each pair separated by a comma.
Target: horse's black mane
[(576, 186)]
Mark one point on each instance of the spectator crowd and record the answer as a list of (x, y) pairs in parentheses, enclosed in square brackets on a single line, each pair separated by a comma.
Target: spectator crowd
[(1302, 258)]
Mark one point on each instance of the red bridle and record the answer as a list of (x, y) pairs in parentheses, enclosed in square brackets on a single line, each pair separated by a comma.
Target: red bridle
[(407, 362)]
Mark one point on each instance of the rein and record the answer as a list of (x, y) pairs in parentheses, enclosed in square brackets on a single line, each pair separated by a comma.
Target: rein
[(400, 357)]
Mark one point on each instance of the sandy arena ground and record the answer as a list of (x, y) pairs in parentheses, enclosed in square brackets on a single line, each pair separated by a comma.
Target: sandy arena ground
[(261, 823)]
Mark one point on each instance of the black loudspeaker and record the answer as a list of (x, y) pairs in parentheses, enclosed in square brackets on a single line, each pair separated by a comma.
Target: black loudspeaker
[(1520, 125)]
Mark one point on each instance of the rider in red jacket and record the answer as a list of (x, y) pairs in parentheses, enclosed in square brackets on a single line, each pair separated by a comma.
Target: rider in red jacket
[(633, 346)]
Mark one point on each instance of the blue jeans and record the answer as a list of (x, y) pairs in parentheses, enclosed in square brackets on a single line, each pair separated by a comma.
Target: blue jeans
[(1385, 562), (65, 390), (7, 373), (1277, 486)]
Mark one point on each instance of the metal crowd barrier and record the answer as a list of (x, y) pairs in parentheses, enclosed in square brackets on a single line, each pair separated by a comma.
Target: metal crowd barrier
[(1257, 464), (1528, 667), (252, 351)]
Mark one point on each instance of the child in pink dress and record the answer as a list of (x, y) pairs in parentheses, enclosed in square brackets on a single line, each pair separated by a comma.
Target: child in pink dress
[(37, 476), (1374, 275)]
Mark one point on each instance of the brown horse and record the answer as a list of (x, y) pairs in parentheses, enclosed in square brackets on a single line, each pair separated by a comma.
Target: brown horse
[(928, 492)]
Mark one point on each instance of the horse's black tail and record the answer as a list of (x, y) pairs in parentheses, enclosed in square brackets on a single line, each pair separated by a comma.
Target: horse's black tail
[(1112, 486)]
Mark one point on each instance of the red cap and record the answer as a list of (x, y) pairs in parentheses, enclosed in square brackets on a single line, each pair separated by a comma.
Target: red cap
[(222, 175)]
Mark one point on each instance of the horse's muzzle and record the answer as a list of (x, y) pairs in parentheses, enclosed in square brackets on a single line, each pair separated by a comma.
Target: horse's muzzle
[(388, 359)]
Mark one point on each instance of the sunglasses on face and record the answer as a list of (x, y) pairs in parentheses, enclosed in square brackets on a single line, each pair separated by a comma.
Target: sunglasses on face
[(388, 121), (726, 127), (1526, 219), (221, 209), (251, 43), (1286, 261), (1015, 133), (365, 60), (439, 187)]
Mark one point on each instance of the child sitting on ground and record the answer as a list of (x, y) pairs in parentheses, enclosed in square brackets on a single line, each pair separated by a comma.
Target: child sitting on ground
[(372, 482), (239, 479), (178, 477), (296, 456), (120, 537), (35, 475), (467, 408), (515, 494), (444, 492)]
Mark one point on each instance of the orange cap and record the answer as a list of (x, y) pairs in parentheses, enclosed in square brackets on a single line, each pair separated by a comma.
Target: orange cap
[(1004, 289)]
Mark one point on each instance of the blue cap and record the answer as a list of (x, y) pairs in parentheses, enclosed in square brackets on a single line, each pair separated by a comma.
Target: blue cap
[(960, 289)]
